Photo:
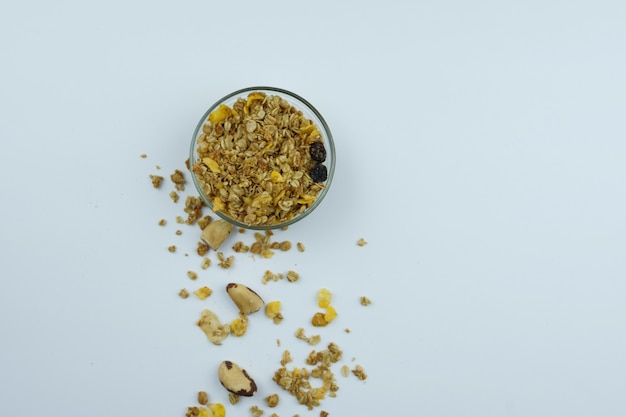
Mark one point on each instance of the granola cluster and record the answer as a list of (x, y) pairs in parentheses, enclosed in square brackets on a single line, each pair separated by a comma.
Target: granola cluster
[(259, 161)]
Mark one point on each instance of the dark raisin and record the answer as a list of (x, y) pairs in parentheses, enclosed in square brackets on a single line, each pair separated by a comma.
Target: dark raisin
[(319, 173), (318, 152)]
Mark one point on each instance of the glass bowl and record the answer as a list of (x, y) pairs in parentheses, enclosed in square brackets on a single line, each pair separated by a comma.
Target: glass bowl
[(252, 162)]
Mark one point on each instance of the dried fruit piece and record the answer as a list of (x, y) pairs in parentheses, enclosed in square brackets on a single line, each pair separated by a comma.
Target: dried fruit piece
[(319, 173), (203, 293), (217, 410), (317, 151), (211, 326), (216, 232), (235, 379), (330, 315), (246, 300), (324, 296), (239, 326), (272, 310)]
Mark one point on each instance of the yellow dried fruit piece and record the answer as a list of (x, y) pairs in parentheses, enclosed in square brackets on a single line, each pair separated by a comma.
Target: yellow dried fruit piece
[(251, 98), (217, 409), (276, 177), (330, 315), (203, 293), (306, 199), (204, 412), (318, 320), (212, 164), (222, 112), (272, 309), (218, 205), (239, 326), (324, 296)]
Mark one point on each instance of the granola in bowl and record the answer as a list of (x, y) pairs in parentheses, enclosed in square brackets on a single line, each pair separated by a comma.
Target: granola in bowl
[(262, 158)]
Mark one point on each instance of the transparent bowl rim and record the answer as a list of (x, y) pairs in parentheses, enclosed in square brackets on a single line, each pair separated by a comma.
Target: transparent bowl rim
[(328, 142)]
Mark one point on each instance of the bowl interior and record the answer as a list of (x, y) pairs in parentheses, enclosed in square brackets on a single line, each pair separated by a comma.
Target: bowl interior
[(308, 112)]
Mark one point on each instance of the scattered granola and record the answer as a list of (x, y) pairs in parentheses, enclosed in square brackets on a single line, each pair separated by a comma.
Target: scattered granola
[(193, 208), (256, 411), (240, 247), (361, 242), (174, 196), (178, 179), (162, 222), (203, 398), (156, 180), (172, 248), (345, 370), (143, 155), (202, 249), (183, 293), (300, 246), (292, 276), (233, 398), (286, 358), (323, 414), (359, 372), (224, 261), (254, 161), (192, 275), (365, 301), (206, 262), (272, 400), (239, 326), (204, 222)]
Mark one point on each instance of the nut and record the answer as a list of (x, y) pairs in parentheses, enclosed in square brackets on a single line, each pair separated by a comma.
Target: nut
[(216, 232), (211, 326), (235, 379), (247, 300)]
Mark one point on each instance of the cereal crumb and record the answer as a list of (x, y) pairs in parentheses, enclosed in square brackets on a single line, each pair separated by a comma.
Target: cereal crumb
[(183, 293), (174, 196), (206, 262), (270, 276), (193, 208), (365, 301), (179, 232), (278, 342), (323, 414), (172, 248), (180, 220), (202, 248), (239, 326), (162, 222), (272, 311), (345, 370), (285, 245), (157, 167), (315, 339), (225, 262), (204, 222), (361, 242), (292, 276), (233, 398), (192, 275), (272, 400), (178, 179), (156, 180), (359, 372), (300, 246), (347, 330), (203, 292), (240, 247), (143, 155), (203, 398), (256, 411), (286, 358)]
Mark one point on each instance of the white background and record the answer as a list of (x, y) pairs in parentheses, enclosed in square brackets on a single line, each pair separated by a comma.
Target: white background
[(480, 151)]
